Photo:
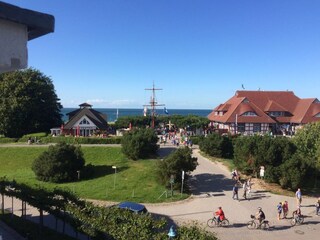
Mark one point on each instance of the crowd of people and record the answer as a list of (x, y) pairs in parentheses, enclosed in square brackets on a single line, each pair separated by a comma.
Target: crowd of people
[(282, 207)]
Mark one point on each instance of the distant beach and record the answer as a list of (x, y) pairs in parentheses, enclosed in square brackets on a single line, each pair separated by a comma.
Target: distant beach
[(113, 113)]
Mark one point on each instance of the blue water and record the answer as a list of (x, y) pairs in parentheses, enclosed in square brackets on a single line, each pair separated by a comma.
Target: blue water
[(112, 112)]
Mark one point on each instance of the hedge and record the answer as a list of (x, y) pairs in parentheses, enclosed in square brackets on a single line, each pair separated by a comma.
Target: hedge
[(8, 140), (81, 140)]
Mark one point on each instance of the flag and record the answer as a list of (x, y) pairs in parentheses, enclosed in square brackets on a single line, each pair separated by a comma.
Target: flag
[(165, 110)]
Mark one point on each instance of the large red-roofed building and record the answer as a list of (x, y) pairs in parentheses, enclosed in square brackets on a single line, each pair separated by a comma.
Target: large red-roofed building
[(251, 112)]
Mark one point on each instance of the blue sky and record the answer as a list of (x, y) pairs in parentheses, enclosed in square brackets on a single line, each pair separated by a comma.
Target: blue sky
[(200, 52)]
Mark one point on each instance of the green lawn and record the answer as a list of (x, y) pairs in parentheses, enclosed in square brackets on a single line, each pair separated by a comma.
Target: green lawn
[(134, 180)]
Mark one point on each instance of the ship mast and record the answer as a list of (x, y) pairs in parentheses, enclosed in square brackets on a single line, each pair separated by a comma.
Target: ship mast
[(153, 102)]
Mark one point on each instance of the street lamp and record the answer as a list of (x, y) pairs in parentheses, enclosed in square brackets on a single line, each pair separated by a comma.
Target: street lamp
[(115, 174)]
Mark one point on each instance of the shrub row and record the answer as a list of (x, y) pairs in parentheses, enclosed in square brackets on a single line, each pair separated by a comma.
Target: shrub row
[(8, 140), (81, 140), (283, 163), (70, 140)]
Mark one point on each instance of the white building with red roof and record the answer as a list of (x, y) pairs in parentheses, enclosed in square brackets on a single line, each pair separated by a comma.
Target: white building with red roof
[(251, 112)]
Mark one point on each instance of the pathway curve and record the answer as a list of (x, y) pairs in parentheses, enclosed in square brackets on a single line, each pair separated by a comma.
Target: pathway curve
[(212, 187)]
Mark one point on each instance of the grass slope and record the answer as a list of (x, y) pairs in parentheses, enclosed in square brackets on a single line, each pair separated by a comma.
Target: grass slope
[(134, 180)]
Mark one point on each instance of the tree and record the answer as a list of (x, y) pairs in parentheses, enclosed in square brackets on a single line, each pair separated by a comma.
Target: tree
[(307, 141), (28, 103), (293, 172), (179, 160), (59, 163), (140, 143)]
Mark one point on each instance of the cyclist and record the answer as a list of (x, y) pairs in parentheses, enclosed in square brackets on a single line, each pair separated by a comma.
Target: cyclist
[(297, 212), (260, 215), (220, 215)]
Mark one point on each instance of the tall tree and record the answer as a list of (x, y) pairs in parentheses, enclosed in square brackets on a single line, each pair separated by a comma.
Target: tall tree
[(28, 103)]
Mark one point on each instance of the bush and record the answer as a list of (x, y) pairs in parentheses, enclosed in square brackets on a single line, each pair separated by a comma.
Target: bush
[(34, 136), (293, 172), (216, 145), (81, 140), (8, 140), (173, 164), (59, 163), (140, 143)]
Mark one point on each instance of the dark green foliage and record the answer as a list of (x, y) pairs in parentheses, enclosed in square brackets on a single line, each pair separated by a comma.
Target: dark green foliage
[(251, 152), (28, 103), (216, 145), (59, 163), (196, 139), (191, 121), (136, 121), (179, 160), (244, 153), (293, 172), (307, 140), (194, 231), (140, 143), (8, 140), (81, 140)]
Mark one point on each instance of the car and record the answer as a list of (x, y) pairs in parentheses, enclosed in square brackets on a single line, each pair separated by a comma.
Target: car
[(133, 207)]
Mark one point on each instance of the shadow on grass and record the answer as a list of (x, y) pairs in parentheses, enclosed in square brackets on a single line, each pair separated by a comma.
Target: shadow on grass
[(165, 151), (97, 171)]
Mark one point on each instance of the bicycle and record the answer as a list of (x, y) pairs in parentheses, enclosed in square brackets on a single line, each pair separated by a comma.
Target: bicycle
[(213, 222), (297, 219), (264, 225)]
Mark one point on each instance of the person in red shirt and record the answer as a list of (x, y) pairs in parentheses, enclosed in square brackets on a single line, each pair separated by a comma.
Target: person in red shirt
[(220, 215)]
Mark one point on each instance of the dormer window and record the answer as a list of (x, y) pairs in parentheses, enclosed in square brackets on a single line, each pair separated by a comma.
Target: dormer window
[(250, 113), (277, 114), (84, 122), (317, 115)]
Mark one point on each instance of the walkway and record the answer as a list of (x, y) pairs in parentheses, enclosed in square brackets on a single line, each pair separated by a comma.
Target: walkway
[(212, 187)]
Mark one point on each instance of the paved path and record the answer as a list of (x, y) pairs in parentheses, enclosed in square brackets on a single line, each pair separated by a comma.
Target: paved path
[(212, 187)]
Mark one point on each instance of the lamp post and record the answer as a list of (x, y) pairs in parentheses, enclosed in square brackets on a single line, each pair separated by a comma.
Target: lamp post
[(78, 172), (115, 174)]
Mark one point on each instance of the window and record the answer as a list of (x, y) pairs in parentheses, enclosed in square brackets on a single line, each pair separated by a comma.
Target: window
[(256, 127), (317, 115), (241, 127), (84, 122), (277, 114), (250, 113)]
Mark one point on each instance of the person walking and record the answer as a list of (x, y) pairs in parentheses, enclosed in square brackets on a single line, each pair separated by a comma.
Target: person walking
[(285, 209), (244, 187), (279, 209), (298, 197), (318, 207), (249, 187), (235, 192)]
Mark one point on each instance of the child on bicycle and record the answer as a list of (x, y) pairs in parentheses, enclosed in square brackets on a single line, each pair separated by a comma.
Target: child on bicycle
[(297, 212)]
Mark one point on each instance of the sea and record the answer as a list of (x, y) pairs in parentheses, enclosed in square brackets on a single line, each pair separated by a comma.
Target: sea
[(114, 113)]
